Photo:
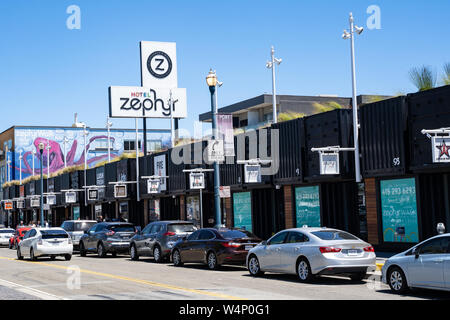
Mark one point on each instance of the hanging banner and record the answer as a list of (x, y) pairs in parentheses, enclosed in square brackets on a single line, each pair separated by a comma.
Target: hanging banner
[(22, 191), (399, 210), (215, 151), (329, 163), (71, 197), (143, 102), (197, 180), (159, 64), (159, 167), (8, 205), (252, 173), (35, 203), (440, 149), (153, 186), (225, 130), (20, 204), (307, 206)]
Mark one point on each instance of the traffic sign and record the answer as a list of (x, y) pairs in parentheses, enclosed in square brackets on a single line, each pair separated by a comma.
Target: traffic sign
[(215, 151), (329, 163), (8, 205), (252, 173), (197, 180), (225, 192), (71, 197), (120, 191), (153, 186)]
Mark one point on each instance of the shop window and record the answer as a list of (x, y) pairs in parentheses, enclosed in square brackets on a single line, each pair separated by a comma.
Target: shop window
[(130, 145)]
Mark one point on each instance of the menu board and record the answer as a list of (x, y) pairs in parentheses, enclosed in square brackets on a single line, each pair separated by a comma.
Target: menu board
[(307, 206), (242, 206), (399, 210)]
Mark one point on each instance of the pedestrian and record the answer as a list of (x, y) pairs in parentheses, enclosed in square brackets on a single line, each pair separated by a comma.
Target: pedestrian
[(99, 219)]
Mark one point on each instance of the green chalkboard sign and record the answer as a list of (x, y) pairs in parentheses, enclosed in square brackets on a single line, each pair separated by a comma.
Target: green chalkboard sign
[(242, 207), (76, 213), (399, 210), (307, 206)]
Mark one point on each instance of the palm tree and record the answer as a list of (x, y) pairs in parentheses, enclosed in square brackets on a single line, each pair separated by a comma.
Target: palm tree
[(447, 73), (423, 78)]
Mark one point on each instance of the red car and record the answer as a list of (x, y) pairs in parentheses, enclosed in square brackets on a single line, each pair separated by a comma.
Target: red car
[(17, 237)]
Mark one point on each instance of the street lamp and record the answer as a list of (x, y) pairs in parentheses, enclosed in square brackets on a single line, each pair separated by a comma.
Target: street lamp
[(212, 82), (85, 134), (108, 126), (271, 65), (351, 35), (41, 151)]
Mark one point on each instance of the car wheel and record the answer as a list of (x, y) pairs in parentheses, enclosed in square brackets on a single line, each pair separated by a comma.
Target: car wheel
[(304, 271), (212, 261), (358, 276), (397, 280), (176, 259), (101, 250), (32, 256), (133, 253), (253, 266), (157, 254), (19, 254), (68, 257), (82, 250)]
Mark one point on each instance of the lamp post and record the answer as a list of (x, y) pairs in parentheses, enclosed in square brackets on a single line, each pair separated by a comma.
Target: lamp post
[(211, 80), (85, 133), (351, 35), (41, 151), (48, 159), (20, 168), (34, 155), (108, 126), (65, 141), (271, 65)]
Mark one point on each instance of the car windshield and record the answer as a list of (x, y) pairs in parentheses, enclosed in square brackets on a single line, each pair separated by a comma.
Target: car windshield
[(7, 231), (181, 227), (83, 226), (54, 234), (236, 234), (122, 228), (334, 235)]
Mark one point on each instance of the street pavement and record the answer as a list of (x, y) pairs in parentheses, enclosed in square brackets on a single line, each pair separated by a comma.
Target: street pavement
[(93, 278)]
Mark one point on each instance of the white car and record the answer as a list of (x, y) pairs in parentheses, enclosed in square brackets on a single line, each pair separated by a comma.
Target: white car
[(45, 242), (5, 235)]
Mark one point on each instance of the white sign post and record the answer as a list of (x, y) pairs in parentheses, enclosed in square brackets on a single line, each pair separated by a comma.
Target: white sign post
[(71, 197), (159, 166), (440, 149), (153, 186), (252, 173), (197, 180)]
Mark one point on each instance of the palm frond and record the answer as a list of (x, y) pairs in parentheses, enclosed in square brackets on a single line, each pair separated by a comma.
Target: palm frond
[(423, 78)]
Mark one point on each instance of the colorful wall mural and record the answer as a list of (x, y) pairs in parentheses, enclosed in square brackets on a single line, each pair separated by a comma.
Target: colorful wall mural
[(27, 140)]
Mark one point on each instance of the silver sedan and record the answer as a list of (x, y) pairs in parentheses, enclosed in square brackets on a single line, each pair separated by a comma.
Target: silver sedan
[(308, 252), (426, 265)]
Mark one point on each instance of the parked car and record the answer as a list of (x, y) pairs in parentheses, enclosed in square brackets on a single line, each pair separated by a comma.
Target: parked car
[(17, 237), (214, 247), (5, 236), (426, 265), (308, 252), (45, 242), (105, 237), (158, 238), (76, 229)]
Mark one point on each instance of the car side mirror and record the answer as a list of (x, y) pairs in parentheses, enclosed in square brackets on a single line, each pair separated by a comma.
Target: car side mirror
[(264, 243), (416, 252), (138, 230)]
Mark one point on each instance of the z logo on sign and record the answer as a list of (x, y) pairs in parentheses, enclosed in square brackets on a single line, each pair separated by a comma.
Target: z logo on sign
[(159, 64)]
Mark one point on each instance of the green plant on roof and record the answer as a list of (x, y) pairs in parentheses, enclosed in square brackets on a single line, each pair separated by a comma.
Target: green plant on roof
[(446, 78), (326, 106), (289, 115), (423, 78)]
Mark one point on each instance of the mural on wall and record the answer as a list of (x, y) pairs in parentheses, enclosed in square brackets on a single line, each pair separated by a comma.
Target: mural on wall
[(27, 141)]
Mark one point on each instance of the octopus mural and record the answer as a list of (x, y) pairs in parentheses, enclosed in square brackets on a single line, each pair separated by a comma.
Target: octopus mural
[(56, 156)]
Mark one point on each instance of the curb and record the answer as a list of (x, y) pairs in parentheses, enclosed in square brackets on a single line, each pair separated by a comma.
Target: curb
[(379, 266)]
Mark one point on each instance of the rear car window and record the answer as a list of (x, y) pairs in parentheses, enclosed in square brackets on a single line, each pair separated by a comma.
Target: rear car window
[(7, 231), (236, 234), (122, 228), (181, 227), (83, 226), (334, 235), (54, 234)]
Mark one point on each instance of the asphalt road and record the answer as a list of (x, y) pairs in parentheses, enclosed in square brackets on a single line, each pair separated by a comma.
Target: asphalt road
[(120, 278)]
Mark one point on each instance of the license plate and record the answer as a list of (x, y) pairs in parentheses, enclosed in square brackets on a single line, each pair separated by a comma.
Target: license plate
[(55, 243), (248, 247), (352, 252)]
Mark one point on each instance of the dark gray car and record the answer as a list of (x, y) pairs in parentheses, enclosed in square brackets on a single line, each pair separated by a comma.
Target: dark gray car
[(158, 238), (106, 237)]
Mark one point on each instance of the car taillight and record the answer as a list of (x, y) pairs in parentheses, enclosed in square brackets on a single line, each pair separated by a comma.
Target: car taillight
[(369, 249), (329, 250), (231, 244), (169, 233), (110, 233)]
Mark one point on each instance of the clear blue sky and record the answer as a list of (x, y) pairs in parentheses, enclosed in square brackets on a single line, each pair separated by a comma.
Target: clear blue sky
[(49, 72)]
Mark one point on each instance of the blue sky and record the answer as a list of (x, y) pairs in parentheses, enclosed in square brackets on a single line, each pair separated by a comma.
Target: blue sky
[(48, 72)]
